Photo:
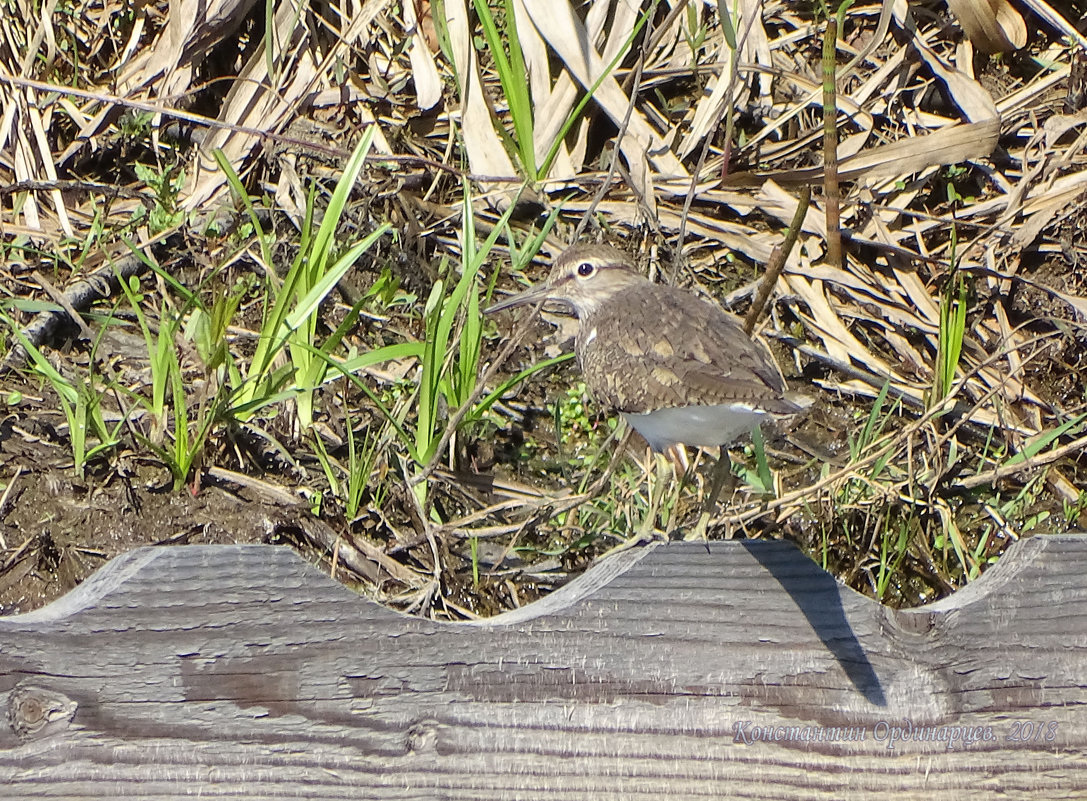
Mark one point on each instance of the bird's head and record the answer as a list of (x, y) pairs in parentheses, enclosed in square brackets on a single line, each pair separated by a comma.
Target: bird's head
[(583, 277)]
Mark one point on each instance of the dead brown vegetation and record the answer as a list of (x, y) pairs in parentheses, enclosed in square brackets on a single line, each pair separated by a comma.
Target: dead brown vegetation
[(959, 169)]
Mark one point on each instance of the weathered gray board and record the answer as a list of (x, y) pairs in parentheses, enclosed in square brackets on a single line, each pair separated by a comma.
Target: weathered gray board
[(745, 672)]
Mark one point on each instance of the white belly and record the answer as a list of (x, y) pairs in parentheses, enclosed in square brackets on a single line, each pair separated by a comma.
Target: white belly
[(703, 426)]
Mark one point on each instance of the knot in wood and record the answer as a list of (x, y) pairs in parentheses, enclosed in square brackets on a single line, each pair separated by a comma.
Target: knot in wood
[(36, 712)]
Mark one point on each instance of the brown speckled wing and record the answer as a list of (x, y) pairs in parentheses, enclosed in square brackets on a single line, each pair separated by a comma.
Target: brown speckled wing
[(657, 346)]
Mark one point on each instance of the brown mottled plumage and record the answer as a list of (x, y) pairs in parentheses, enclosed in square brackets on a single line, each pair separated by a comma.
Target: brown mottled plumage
[(677, 367)]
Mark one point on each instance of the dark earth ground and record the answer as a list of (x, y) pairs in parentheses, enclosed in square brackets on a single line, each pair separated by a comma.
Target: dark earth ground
[(55, 528)]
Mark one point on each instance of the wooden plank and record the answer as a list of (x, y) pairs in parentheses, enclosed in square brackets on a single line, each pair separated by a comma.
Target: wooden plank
[(742, 671)]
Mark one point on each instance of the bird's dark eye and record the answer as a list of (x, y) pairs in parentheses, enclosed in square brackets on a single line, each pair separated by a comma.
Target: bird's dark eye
[(585, 269)]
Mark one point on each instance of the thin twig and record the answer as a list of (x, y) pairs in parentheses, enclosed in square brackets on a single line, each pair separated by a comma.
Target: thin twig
[(777, 262), (726, 107), (305, 145), (605, 185), (455, 419), (1005, 470), (61, 300), (831, 190)]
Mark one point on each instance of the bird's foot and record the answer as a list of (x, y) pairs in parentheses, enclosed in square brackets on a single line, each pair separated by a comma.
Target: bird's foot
[(722, 476), (701, 529), (640, 539)]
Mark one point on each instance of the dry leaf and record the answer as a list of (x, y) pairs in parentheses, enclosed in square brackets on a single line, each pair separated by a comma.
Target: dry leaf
[(991, 25), (566, 35), (424, 73)]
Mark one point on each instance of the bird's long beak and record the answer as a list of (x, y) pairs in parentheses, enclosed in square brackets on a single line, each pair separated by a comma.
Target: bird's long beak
[(538, 293)]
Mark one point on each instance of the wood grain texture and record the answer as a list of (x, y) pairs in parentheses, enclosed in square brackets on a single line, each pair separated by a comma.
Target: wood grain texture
[(742, 672)]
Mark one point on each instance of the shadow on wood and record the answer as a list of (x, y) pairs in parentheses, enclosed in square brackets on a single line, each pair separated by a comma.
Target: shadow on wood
[(243, 672), (819, 597)]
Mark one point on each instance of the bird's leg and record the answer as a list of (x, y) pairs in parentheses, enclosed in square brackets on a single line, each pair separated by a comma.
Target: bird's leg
[(663, 470), (647, 532), (681, 472), (678, 456), (722, 472)]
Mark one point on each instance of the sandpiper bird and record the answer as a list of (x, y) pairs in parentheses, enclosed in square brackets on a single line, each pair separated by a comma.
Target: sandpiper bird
[(678, 368)]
